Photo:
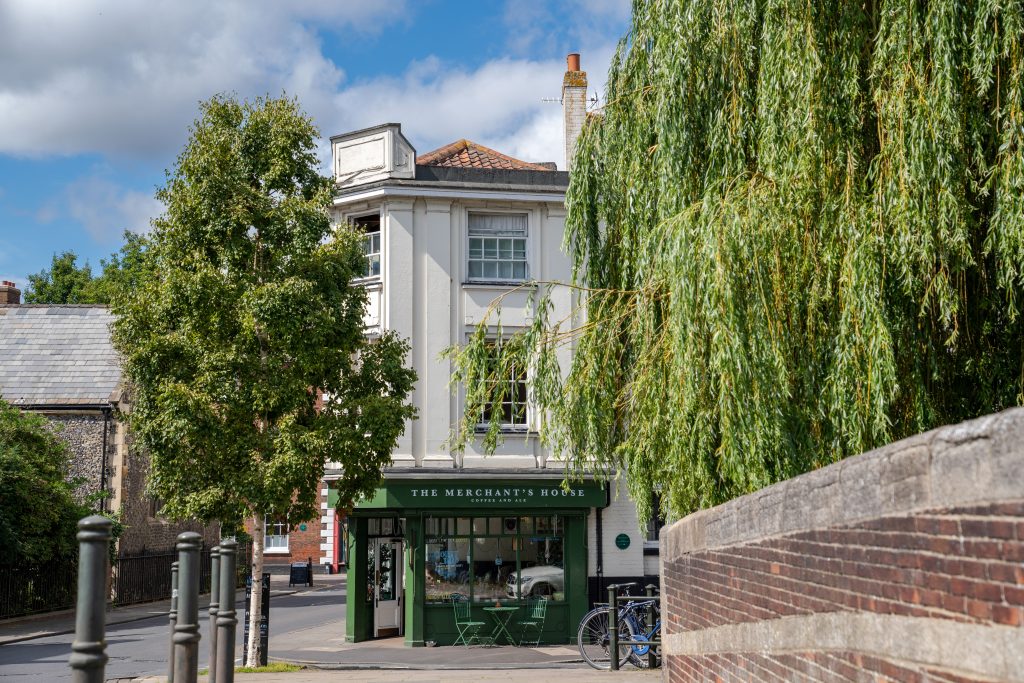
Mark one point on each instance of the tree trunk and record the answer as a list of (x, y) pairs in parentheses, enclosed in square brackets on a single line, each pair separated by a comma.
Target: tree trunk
[(252, 648)]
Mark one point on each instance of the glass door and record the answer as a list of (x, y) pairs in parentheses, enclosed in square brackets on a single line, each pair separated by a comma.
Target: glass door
[(387, 586)]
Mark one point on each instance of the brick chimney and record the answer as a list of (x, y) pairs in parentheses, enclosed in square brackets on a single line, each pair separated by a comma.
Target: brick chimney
[(9, 294), (574, 105)]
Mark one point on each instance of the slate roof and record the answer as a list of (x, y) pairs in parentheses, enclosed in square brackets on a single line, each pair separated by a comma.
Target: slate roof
[(57, 355), (468, 154)]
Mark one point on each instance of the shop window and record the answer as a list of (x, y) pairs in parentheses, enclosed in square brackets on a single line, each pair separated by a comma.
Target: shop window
[(369, 226), (275, 535), (497, 247), (489, 559), (447, 568)]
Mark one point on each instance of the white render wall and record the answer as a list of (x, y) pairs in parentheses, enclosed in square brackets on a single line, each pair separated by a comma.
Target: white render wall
[(618, 518), (423, 298)]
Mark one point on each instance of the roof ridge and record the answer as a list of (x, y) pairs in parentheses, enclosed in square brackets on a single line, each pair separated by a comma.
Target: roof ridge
[(446, 153)]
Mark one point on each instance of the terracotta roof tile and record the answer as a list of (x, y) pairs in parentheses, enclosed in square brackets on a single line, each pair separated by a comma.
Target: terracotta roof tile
[(468, 154)]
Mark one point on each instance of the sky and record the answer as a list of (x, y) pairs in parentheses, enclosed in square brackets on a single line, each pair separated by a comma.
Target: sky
[(96, 96)]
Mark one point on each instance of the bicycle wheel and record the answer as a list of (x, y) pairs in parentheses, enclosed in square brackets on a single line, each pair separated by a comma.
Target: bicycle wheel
[(594, 640), (639, 653)]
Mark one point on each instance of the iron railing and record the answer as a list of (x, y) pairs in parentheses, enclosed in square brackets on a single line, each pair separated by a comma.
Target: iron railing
[(144, 577), (30, 589)]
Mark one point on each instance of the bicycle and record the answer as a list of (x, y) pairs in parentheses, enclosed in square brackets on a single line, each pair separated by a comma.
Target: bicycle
[(635, 641)]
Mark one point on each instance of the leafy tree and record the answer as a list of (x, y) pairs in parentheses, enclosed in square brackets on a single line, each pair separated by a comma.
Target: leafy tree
[(38, 511), (64, 283), (800, 228), (246, 314)]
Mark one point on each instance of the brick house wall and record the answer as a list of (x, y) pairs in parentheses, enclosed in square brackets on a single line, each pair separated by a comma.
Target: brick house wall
[(302, 544), (901, 564)]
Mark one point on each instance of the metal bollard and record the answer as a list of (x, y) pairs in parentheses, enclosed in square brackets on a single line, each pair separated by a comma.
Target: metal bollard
[(172, 616), (652, 659), (226, 621), (186, 631), (613, 626), (88, 653), (214, 591)]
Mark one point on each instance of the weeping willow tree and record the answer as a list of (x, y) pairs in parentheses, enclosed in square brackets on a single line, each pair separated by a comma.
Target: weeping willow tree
[(797, 231)]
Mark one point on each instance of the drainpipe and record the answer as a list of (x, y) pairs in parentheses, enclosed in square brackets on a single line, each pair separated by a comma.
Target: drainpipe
[(103, 462), (600, 552)]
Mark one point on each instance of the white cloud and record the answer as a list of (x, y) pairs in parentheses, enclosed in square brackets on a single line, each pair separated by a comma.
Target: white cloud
[(123, 78), (104, 208), (498, 104)]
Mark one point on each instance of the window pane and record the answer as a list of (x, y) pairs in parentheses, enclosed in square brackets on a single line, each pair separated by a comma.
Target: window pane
[(490, 248), (505, 270), (505, 249), (493, 560), (476, 269), (519, 251), (479, 526), (519, 270), (541, 567), (462, 526), (447, 568), (490, 269), (476, 248)]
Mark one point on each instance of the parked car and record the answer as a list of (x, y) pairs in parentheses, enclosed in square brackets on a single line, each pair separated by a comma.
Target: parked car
[(542, 580)]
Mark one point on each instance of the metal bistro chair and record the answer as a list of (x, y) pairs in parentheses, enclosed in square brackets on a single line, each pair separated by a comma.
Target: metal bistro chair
[(537, 612), (464, 621)]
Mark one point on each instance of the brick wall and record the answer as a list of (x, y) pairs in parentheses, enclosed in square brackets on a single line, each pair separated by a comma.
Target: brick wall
[(902, 564), (302, 545)]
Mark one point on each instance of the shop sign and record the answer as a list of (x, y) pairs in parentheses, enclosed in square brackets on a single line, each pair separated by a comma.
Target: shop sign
[(491, 494)]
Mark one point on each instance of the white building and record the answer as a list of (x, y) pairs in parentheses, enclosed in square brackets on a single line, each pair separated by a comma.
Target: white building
[(447, 233)]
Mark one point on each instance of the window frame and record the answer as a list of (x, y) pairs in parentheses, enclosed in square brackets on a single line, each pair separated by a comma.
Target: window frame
[(278, 524), (350, 220), (510, 427), (526, 237)]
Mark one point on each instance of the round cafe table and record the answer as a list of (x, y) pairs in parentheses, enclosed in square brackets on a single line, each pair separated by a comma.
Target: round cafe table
[(501, 616)]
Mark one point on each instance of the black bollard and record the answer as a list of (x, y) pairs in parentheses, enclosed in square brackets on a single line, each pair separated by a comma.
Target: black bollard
[(172, 616), (214, 591), (88, 653), (186, 631), (226, 621)]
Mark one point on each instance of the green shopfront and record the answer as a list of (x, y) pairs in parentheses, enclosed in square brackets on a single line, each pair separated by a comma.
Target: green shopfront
[(420, 542)]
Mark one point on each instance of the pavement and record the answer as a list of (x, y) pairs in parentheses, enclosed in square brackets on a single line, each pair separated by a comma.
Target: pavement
[(322, 649), (550, 675)]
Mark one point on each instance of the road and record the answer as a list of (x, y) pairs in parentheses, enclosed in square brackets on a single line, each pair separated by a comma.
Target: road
[(141, 648)]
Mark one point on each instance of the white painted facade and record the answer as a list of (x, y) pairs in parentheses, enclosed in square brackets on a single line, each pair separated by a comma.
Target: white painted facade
[(424, 294)]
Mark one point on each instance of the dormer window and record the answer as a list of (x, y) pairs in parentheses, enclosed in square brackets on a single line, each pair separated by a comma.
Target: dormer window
[(370, 227), (497, 247)]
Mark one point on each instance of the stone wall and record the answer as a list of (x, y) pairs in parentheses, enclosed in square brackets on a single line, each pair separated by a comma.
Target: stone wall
[(83, 433), (127, 470), (145, 529), (901, 564)]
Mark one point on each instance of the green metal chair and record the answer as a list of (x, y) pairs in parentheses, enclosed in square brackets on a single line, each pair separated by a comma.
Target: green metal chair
[(537, 611), (464, 621)]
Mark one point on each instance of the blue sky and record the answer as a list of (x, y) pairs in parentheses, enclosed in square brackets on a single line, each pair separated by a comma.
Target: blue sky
[(96, 96)]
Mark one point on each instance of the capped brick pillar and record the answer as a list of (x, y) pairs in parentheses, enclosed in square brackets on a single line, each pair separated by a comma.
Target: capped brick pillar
[(574, 105), (9, 294)]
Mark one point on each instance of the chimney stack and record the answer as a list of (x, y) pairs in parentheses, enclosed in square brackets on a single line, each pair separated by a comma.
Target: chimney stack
[(9, 294), (574, 105)]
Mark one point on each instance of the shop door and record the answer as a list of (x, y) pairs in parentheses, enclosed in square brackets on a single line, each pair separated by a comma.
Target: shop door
[(387, 593)]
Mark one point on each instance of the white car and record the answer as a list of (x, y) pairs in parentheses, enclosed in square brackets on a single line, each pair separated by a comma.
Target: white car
[(542, 580)]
